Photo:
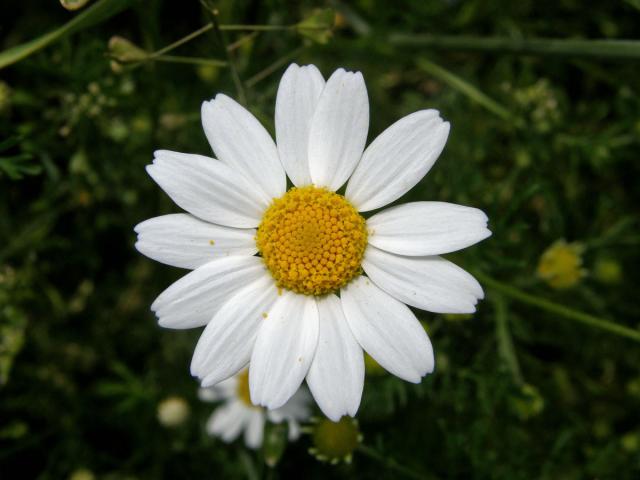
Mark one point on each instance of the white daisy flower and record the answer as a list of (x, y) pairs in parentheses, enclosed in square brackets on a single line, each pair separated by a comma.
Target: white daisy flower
[(238, 414), (327, 283)]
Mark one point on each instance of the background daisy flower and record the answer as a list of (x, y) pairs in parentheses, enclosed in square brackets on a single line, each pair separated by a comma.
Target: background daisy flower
[(237, 414), (327, 283)]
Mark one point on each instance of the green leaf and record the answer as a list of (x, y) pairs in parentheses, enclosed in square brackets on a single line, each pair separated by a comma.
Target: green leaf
[(93, 15)]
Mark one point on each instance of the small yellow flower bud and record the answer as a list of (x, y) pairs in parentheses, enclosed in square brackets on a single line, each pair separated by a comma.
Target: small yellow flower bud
[(561, 264), (630, 442), (608, 271), (527, 403), (82, 474), (334, 442), (122, 50)]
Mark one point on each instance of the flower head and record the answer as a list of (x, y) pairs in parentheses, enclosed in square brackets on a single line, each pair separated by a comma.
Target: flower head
[(335, 442), (238, 414), (561, 264), (327, 283)]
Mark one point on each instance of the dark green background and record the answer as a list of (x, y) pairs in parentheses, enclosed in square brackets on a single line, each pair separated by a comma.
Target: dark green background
[(83, 387)]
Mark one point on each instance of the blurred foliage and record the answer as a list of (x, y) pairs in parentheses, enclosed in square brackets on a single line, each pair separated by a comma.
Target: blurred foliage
[(517, 392)]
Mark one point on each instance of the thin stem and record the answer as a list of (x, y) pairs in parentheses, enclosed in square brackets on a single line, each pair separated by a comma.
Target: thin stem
[(389, 462), (566, 312), (232, 66), (182, 41), (464, 87), (629, 49), (193, 60), (241, 41), (273, 67), (257, 28)]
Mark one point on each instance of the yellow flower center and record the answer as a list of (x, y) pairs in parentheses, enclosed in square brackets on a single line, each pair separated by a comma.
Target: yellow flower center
[(561, 264), (242, 388), (312, 240), (334, 441)]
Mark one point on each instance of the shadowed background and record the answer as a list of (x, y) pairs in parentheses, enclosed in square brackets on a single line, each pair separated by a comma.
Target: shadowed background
[(544, 139)]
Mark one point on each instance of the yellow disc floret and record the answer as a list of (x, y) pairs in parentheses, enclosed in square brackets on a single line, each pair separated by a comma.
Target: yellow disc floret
[(312, 240), (242, 388)]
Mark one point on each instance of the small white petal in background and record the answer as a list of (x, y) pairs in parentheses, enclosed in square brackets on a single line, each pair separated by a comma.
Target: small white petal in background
[(237, 414)]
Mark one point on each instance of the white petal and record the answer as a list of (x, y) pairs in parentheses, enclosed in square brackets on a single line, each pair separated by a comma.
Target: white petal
[(336, 375), (228, 420), (338, 129), (294, 430), (429, 283), (298, 95), (194, 299), (296, 407), (223, 390), (209, 395), (397, 159), (255, 429), (184, 241), (283, 350), (240, 141), (388, 330), (427, 228), (208, 189), (226, 343)]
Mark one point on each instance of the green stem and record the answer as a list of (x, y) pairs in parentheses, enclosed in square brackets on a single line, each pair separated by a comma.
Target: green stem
[(257, 28), (505, 341), (241, 41), (389, 462), (273, 67), (566, 312), (629, 49), (232, 66), (191, 60), (464, 87), (183, 40)]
